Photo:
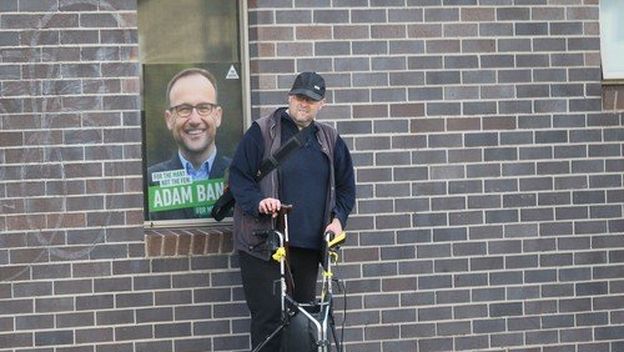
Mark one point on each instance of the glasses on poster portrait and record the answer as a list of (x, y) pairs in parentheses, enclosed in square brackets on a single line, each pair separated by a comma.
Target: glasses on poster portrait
[(185, 110)]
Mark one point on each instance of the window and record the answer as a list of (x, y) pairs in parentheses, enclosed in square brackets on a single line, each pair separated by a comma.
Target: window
[(612, 39), (195, 102)]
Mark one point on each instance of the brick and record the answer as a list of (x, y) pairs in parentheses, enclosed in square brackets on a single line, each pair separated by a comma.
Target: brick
[(406, 110), (521, 261), (489, 325), (383, 63), (330, 16), (373, 144), (162, 346), (545, 13), (479, 108), (429, 314), (580, 13), (542, 337), (486, 263), (555, 260), (441, 14), (470, 280), (506, 246), (515, 107), (532, 60), (566, 28), (115, 317), (409, 15), (199, 313), (117, 36), (532, 28), (32, 289), (366, 16), (404, 47), (454, 30), (442, 46), (369, 48), (317, 32), (506, 309), (450, 141), (17, 340), (388, 31), (133, 332), (427, 62), (470, 343), (120, 5), (514, 76), (424, 30), (9, 6), (393, 158), (293, 16), (388, 95), (173, 297), (6, 324), (75, 320), (451, 265), (478, 76), (347, 32), (566, 60), (507, 339), (58, 337), (512, 14), (94, 302), (172, 330), (472, 218), (464, 61), (497, 61), (34, 322), (495, 29), (446, 77), (469, 14), (483, 170), (583, 43), (523, 293)]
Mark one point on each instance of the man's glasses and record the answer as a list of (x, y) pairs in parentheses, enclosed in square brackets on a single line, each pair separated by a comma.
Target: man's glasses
[(185, 110)]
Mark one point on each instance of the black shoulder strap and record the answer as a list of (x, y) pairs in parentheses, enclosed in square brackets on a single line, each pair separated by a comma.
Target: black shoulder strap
[(294, 143), (223, 206)]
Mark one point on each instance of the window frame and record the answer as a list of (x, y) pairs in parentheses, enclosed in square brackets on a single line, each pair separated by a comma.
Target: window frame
[(245, 87), (611, 75)]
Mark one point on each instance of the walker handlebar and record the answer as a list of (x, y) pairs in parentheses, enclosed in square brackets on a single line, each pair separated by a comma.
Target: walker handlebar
[(334, 241), (284, 209), (330, 247)]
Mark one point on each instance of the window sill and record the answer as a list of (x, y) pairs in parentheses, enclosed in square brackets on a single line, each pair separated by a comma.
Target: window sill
[(612, 97), (176, 242)]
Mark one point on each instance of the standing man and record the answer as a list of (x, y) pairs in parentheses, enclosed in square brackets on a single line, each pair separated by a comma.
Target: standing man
[(317, 179), (193, 118)]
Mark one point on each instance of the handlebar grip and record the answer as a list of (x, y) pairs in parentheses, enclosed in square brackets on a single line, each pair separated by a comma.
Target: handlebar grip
[(336, 240), (285, 209)]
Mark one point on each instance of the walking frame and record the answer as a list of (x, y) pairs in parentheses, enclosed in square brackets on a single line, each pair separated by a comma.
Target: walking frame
[(320, 313)]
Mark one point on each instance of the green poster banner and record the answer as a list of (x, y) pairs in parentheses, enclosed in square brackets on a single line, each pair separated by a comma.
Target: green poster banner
[(197, 194)]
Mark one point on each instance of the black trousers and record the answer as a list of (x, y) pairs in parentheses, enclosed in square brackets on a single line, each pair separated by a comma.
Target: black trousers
[(262, 290)]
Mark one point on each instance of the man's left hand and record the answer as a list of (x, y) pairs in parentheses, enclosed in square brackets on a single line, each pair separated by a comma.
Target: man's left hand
[(334, 227)]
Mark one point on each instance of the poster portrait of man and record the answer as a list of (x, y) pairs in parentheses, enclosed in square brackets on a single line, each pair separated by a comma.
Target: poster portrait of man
[(193, 121)]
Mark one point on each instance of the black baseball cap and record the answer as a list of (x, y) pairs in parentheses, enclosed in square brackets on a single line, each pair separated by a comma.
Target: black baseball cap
[(310, 84)]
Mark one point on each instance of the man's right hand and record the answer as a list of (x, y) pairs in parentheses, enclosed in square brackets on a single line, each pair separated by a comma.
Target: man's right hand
[(269, 206)]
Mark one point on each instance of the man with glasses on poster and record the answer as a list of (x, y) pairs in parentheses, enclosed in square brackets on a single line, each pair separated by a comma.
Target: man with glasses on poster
[(184, 186)]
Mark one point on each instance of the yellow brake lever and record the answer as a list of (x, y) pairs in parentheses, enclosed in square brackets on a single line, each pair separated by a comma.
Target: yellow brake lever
[(337, 240)]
